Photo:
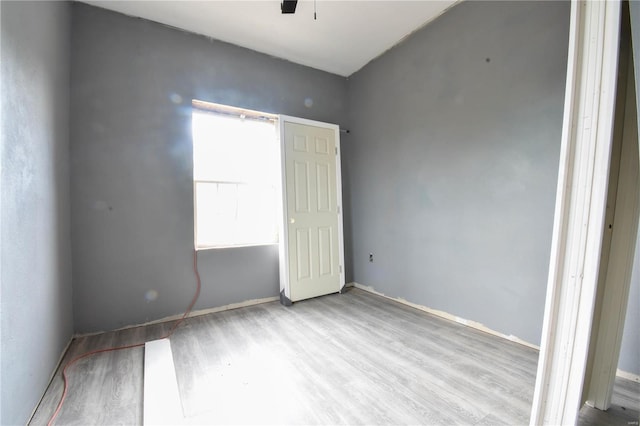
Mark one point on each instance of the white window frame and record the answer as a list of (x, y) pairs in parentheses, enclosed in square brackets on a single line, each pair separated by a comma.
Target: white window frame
[(241, 113)]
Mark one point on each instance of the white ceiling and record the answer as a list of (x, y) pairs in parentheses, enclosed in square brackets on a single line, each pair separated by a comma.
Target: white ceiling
[(346, 35)]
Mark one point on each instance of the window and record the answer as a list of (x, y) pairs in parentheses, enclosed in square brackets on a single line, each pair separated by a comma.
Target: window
[(236, 171)]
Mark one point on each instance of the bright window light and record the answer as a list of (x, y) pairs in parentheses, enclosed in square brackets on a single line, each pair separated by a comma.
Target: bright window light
[(235, 176)]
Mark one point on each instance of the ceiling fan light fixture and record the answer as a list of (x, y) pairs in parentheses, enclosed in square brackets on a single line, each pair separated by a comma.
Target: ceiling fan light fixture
[(288, 6)]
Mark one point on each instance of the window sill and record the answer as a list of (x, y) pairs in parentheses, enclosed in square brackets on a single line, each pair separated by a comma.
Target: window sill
[(201, 248)]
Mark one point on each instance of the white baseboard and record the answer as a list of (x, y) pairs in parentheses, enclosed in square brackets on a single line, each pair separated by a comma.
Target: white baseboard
[(440, 314), (629, 376), (619, 373), (448, 316), (197, 313)]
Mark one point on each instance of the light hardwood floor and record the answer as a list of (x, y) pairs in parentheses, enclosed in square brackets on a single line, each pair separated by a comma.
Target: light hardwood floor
[(352, 358), (624, 410)]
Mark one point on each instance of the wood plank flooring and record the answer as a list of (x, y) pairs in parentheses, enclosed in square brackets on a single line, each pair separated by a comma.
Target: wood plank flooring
[(624, 410), (353, 358), (349, 359), (104, 389)]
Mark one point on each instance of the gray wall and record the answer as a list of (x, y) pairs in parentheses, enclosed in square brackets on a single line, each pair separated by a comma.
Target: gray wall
[(131, 166), (36, 264), (453, 163), (630, 350)]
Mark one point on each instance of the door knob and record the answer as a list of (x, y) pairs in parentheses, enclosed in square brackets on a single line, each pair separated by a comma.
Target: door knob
[(292, 220)]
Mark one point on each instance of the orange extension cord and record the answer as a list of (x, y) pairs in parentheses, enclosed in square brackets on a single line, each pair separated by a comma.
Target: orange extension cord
[(119, 348)]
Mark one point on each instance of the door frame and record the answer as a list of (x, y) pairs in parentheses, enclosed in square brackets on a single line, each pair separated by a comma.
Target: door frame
[(622, 230), (285, 289), (581, 196)]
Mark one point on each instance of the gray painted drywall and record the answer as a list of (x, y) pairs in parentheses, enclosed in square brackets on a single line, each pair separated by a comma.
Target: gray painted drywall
[(630, 350), (131, 167), (629, 360), (36, 307), (453, 162)]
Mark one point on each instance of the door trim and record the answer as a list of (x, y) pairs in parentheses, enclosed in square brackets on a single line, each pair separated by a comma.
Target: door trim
[(616, 276), (587, 133), (285, 289)]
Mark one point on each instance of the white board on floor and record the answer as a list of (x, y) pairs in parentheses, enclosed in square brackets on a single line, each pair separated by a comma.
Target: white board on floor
[(162, 404)]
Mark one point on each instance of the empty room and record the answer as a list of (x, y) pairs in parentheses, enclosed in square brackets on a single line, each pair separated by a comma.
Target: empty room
[(320, 212)]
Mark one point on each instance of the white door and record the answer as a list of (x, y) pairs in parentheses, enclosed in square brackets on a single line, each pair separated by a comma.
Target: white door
[(311, 246)]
